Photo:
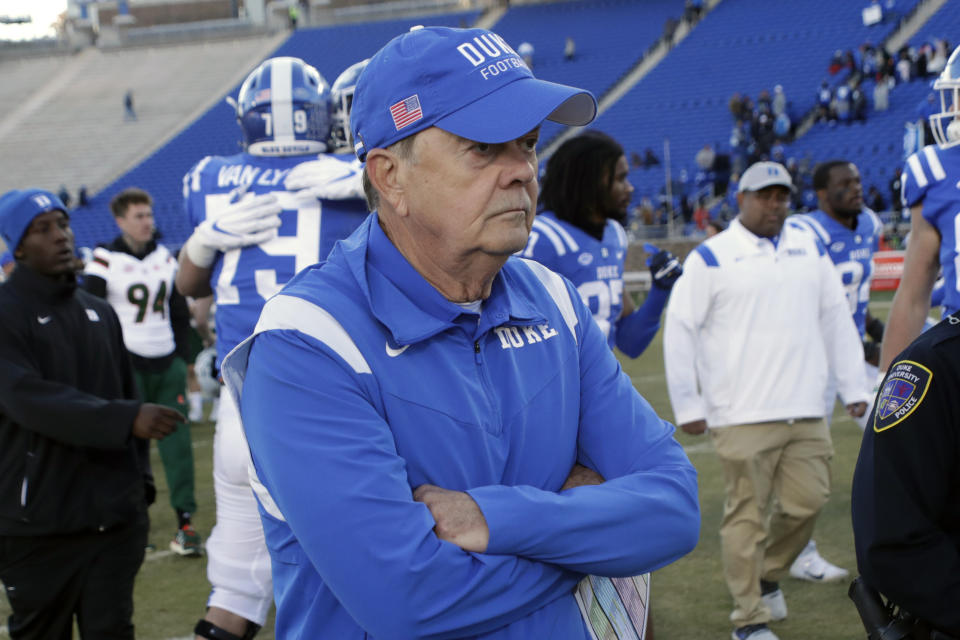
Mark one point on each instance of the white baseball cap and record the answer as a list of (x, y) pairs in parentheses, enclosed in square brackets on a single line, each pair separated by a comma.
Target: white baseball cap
[(765, 174)]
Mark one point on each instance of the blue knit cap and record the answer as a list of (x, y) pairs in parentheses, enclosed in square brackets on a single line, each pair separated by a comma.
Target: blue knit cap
[(19, 207)]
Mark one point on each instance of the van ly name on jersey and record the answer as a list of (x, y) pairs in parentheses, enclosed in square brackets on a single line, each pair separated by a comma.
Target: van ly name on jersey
[(246, 175)]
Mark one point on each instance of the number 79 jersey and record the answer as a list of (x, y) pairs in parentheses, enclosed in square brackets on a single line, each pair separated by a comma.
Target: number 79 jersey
[(594, 266), (243, 279)]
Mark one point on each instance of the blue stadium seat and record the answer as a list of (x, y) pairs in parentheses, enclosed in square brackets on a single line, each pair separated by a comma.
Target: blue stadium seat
[(330, 49), (742, 47)]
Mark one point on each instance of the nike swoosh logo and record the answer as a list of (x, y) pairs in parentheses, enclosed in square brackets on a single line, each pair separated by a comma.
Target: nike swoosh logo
[(220, 229), (44, 319), (815, 576), (393, 353), (667, 268)]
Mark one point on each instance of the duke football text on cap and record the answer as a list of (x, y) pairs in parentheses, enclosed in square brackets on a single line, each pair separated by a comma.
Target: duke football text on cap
[(765, 174), (19, 207), (468, 82)]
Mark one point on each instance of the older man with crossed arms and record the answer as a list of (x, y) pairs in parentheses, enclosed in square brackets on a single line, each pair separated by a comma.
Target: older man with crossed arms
[(430, 459)]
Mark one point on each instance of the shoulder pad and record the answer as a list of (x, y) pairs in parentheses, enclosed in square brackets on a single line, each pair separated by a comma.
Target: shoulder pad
[(944, 331), (621, 232), (192, 180), (556, 234), (922, 170), (102, 254)]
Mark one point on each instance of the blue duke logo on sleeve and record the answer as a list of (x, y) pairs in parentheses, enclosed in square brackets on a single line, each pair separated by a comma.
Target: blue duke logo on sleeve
[(902, 392)]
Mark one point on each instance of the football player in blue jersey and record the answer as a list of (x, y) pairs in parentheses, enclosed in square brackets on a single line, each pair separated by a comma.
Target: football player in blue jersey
[(850, 233), (579, 234), (931, 190), (260, 217)]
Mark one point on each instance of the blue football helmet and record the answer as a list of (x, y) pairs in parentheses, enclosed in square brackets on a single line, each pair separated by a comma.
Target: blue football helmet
[(342, 93), (284, 109), (946, 124)]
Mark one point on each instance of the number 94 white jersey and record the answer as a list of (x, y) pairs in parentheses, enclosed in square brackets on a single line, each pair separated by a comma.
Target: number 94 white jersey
[(139, 291)]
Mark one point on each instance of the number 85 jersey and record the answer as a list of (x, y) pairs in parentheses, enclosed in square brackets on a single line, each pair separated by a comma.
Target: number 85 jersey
[(243, 279), (594, 266)]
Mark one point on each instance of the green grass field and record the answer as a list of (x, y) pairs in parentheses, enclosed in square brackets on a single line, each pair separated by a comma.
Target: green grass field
[(689, 598)]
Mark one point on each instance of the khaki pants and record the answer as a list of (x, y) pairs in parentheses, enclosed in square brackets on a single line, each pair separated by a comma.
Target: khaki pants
[(777, 478)]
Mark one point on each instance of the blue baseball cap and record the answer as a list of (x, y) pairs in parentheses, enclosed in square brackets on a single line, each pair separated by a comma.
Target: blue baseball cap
[(468, 82), (19, 207)]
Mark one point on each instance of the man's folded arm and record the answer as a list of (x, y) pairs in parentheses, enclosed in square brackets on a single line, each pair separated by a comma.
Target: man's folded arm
[(643, 517)]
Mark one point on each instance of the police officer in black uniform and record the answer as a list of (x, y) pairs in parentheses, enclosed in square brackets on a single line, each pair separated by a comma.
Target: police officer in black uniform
[(906, 487)]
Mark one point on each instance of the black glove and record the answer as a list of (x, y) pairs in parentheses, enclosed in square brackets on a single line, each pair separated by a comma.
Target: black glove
[(665, 267), (875, 329), (149, 491)]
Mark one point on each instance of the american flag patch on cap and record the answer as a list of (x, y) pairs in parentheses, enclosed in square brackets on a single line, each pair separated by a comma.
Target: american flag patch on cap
[(406, 112)]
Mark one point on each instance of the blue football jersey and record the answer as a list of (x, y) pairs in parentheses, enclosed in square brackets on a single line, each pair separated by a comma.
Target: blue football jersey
[(243, 279), (594, 266), (851, 251), (932, 177)]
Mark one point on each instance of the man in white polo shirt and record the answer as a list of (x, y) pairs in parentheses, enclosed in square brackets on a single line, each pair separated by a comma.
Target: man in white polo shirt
[(752, 327)]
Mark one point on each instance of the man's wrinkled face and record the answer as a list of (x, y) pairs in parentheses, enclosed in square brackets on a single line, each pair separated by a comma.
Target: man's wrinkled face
[(465, 196)]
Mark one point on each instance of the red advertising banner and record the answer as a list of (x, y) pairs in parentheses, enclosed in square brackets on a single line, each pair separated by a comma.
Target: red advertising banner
[(887, 270)]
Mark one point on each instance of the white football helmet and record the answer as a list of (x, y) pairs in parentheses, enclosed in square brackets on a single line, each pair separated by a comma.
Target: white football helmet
[(342, 95), (205, 368), (946, 124)]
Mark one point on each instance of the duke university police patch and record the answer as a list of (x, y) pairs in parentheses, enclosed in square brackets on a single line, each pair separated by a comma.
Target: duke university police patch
[(902, 392)]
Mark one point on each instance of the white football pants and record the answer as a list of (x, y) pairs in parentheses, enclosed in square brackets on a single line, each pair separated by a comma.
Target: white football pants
[(238, 563)]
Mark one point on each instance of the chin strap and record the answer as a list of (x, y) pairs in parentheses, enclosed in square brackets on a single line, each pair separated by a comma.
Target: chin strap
[(206, 629)]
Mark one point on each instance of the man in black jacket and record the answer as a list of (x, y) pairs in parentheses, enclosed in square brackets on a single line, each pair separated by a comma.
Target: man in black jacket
[(906, 486), (74, 476)]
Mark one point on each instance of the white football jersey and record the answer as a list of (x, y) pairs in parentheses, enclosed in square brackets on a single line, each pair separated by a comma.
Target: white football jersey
[(139, 291)]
